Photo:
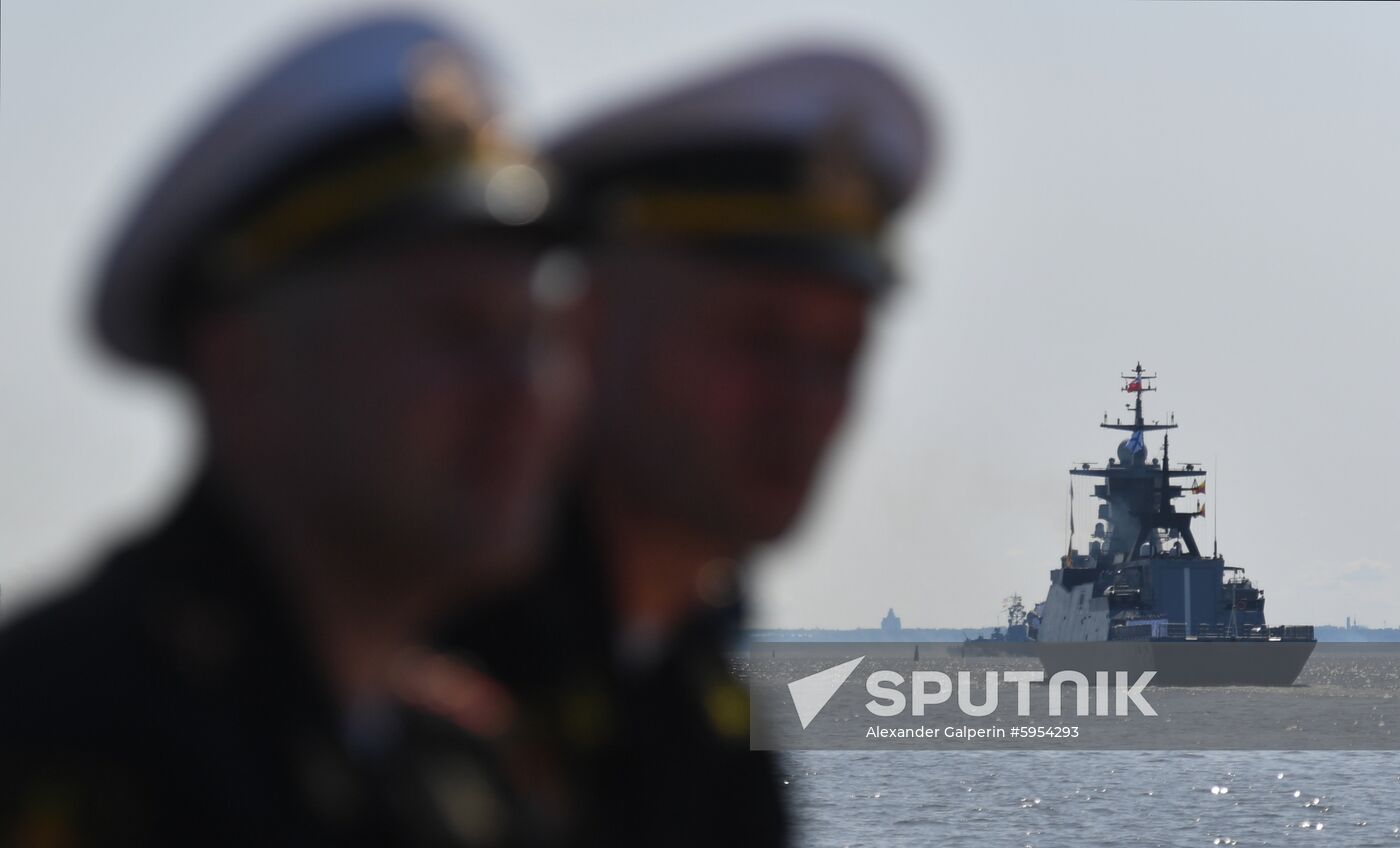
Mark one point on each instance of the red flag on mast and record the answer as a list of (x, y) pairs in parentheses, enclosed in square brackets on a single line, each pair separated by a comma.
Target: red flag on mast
[(1134, 386)]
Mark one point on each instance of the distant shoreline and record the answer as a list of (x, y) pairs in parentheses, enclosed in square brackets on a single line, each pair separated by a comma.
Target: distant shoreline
[(1324, 633)]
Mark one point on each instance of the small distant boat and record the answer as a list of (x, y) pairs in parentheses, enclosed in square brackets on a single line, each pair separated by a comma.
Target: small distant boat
[(1017, 640)]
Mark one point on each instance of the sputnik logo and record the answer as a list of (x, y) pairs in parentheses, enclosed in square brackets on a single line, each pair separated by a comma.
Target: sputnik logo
[(811, 693)]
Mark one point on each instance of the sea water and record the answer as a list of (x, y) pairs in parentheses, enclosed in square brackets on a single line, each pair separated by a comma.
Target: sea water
[(1140, 798)]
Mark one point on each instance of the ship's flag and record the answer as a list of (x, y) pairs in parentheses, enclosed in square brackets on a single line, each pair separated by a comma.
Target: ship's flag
[(1135, 443), (1071, 511), (1201, 510), (1198, 487), (1134, 386), (1069, 546)]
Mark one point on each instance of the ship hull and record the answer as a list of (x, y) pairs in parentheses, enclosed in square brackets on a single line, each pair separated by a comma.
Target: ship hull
[(1183, 662)]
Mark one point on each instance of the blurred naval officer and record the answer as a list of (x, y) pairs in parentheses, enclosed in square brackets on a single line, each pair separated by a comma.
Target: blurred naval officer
[(735, 231), (341, 267)]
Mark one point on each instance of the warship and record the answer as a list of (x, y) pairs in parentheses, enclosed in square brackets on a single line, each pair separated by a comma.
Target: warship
[(1016, 640), (1144, 596)]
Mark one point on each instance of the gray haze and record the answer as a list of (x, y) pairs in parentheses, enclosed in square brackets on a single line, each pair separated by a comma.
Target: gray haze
[(1212, 189)]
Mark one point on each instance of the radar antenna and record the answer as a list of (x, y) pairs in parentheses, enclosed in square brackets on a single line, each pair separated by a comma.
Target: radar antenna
[(1137, 384)]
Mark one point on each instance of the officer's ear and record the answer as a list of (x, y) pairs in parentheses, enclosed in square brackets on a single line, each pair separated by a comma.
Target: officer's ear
[(220, 352), (245, 340), (235, 359)]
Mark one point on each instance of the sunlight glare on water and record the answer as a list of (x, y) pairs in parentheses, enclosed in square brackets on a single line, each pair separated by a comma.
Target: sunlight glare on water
[(1046, 799)]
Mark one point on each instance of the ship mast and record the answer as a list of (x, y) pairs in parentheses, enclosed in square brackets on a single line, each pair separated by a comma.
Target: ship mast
[(1139, 492), (1137, 384)]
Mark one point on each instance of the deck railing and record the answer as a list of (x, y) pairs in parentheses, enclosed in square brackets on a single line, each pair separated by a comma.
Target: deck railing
[(1215, 633)]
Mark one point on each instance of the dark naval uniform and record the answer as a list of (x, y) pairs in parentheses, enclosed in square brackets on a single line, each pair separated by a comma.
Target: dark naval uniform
[(654, 743), (172, 701)]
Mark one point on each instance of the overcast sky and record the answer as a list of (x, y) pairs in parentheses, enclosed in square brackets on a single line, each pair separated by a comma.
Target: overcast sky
[(1211, 189)]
